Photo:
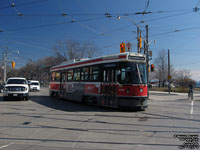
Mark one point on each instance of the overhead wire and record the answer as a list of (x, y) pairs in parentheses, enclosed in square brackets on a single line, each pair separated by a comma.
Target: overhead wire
[(13, 6), (81, 24), (169, 16), (23, 4), (52, 24), (88, 20), (175, 31)]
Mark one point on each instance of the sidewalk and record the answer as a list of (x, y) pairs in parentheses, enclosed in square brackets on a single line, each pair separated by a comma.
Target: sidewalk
[(159, 95)]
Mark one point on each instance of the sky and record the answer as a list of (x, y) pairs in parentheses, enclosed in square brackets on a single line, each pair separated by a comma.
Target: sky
[(173, 25)]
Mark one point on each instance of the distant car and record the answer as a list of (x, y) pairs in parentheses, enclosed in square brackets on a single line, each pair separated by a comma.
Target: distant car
[(16, 87), (34, 85)]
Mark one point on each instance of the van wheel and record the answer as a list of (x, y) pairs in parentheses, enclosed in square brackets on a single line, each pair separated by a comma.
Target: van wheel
[(4, 98), (26, 98)]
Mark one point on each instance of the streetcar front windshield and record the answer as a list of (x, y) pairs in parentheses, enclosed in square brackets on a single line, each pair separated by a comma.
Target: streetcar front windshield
[(133, 73)]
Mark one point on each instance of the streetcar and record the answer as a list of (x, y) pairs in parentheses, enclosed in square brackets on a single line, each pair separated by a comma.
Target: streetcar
[(118, 81)]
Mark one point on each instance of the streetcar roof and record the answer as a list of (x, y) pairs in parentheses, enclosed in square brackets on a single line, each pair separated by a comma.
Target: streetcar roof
[(128, 56)]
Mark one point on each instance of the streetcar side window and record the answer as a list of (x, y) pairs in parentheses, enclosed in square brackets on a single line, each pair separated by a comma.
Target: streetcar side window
[(85, 74), (57, 78), (104, 76), (53, 76), (76, 74), (94, 73), (64, 76), (70, 75)]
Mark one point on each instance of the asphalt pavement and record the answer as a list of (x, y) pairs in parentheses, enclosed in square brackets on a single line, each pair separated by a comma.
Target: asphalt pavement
[(45, 123)]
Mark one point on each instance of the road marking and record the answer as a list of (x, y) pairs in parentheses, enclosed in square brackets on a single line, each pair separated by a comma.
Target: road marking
[(192, 109), (6, 145)]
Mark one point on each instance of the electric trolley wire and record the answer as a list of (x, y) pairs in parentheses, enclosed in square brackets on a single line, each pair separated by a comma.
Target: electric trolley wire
[(13, 6), (177, 30), (54, 24), (22, 4), (73, 20), (94, 14), (169, 16)]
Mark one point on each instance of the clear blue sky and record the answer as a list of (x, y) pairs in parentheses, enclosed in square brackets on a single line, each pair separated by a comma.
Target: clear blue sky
[(172, 23)]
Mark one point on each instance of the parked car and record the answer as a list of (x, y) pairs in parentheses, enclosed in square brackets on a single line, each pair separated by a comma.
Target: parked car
[(17, 88), (34, 85)]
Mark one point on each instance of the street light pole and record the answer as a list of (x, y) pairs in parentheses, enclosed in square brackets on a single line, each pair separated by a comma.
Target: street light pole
[(5, 62), (5, 56)]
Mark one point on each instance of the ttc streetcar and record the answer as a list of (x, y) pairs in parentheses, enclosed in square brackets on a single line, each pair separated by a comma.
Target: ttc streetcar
[(118, 81)]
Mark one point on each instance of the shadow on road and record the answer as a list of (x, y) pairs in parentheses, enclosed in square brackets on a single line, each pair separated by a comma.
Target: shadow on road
[(65, 105)]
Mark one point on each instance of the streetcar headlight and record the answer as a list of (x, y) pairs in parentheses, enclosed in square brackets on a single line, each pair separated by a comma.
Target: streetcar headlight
[(141, 90)]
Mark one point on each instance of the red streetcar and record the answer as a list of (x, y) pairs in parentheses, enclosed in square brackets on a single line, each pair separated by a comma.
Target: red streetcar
[(114, 81)]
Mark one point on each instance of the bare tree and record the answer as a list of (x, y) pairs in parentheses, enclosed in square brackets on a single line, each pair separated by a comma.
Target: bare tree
[(68, 50), (161, 67), (183, 78)]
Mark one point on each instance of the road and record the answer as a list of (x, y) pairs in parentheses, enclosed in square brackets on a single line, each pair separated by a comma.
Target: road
[(44, 123)]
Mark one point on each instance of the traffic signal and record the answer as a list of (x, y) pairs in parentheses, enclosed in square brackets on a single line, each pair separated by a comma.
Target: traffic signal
[(152, 67), (140, 42), (122, 48), (13, 64)]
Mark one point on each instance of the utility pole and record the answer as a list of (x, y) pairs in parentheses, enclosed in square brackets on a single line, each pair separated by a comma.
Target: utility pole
[(169, 75), (138, 37), (147, 56), (5, 59)]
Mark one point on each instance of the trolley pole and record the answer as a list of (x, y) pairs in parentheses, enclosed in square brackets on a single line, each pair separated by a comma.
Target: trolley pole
[(147, 57), (169, 75)]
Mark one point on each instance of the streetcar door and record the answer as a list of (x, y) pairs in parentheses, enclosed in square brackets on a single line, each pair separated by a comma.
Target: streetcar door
[(63, 84), (108, 93)]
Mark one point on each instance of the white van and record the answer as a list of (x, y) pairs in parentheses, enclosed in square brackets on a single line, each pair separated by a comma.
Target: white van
[(34, 85)]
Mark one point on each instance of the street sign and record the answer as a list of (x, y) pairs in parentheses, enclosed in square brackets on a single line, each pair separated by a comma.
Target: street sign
[(129, 46), (169, 77), (150, 53)]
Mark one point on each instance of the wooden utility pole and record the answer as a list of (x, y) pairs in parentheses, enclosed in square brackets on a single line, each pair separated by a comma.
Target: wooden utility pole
[(147, 56), (169, 74)]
